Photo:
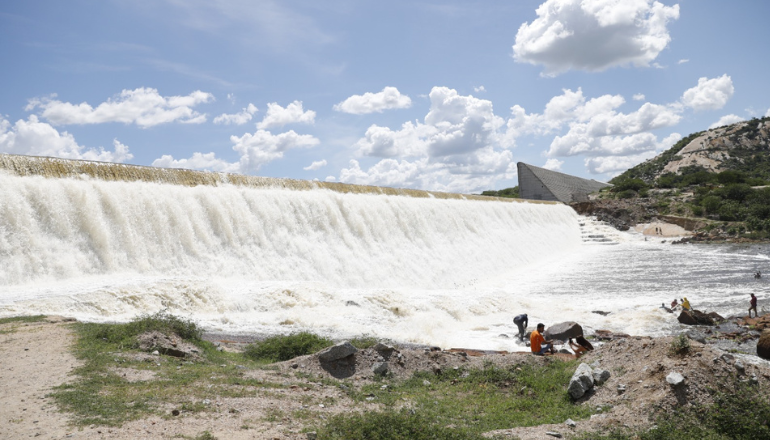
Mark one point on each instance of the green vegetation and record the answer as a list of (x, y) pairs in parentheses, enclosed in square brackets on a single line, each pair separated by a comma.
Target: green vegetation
[(461, 404), (680, 346), (22, 319), (283, 348), (740, 415), (507, 192), (101, 395)]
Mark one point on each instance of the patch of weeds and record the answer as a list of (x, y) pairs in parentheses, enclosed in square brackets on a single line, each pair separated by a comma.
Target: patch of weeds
[(479, 399), (391, 425), (680, 346), (274, 415), (620, 370), (284, 348), (100, 396), (205, 435), (740, 415), (22, 319), (364, 342)]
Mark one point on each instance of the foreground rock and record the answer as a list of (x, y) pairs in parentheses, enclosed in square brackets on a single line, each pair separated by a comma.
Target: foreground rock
[(763, 345), (169, 345), (696, 317), (564, 331)]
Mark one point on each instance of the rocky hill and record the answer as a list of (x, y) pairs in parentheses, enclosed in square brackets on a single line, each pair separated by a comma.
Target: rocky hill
[(714, 183)]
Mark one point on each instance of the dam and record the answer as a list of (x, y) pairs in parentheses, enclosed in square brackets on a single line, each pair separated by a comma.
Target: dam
[(106, 242)]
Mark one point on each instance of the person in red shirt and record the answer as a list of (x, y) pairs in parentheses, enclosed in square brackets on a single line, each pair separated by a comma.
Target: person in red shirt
[(537, 342), (753, 307)]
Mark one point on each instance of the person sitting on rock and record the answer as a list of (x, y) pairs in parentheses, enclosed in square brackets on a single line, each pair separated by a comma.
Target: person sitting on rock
[(521, 321), (753, 306), (538, 344), (686, 304), (581, 347)]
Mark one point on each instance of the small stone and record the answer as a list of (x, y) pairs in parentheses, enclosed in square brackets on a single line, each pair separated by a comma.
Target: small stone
[(426, 382), (553, 434), (311, 435), (156, 353), (740, 367), (621, 389), (294, 366), (675, 379), (571, 423), (175, 412)]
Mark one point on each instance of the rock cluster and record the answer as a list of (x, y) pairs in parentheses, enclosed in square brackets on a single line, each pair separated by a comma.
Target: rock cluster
[(696, 317), (584, 380)]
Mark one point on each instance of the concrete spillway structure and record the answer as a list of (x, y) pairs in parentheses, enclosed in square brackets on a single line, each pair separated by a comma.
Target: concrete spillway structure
[(541, 184)]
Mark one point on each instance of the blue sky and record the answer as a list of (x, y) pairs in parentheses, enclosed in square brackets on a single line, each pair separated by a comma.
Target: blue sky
[(443, 96)]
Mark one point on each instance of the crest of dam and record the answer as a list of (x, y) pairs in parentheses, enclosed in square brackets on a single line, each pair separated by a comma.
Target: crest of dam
[(65, 219)]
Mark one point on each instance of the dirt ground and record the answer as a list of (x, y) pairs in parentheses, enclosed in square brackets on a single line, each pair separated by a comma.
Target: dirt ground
[(34, 357)]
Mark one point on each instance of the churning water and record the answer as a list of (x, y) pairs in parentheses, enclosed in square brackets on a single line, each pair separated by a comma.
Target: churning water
[(444, 271)]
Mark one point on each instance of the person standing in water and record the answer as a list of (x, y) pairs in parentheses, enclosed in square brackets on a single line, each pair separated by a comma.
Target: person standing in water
[(753, 306), (521, 322)]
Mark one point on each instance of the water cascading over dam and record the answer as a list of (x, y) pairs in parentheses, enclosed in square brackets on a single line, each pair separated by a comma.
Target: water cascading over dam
[(105, 241)]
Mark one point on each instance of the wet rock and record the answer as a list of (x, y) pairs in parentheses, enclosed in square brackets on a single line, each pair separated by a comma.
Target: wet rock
[(337, 352), (563, 331), (696, 336), (606, 335), (695, 317), (763, 345)]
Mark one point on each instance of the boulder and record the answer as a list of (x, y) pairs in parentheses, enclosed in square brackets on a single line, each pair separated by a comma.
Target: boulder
[(337, 352), (763, 345), (170, 345), (675, 379), (695, 317), (563, 331), (581, 382), (380, 368), (600, 376)]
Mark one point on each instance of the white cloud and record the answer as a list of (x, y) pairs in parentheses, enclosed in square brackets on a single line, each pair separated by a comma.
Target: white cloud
[(727, 120), (330, 179), (618, 164), (35, 138), (638, 97), (479, 89), (262, 147), (768, 112), (594, 35), (278, 116), (709, 94), (254, 150), (144, 107), (198, 161), (389, 98), (317, 164), (238, 118), (682, 61), (553, 164)]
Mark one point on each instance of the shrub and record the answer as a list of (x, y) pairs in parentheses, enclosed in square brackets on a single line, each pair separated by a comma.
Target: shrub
[(627, 194), (390, 425), (283, 348), (680, 345), (162, 322)]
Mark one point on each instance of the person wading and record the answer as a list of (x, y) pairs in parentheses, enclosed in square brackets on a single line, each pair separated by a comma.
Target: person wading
[(521, 322)]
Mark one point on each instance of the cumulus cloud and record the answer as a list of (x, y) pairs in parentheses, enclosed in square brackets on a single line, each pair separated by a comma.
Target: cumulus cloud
[(479, 89), (198, 161), (727, 120), (278, 116), (594, 35), (553, 164), (618, 164), (144, 107), (238, 118), (35, 138), (317, 164), (254, 150), (389, 98), (709, 94), (768, 112), (638, 97)]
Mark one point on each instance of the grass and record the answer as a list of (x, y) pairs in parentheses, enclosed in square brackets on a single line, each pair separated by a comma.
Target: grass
[(680, 346), (470, 402), (740, 415), (284, 348), (22, 319), (101, 396)]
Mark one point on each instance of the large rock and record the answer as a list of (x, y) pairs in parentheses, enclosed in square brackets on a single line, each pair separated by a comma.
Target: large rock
[(763, 345), (563, 331), (581, 382), (337, 352), (695, 317), (170, 345)]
